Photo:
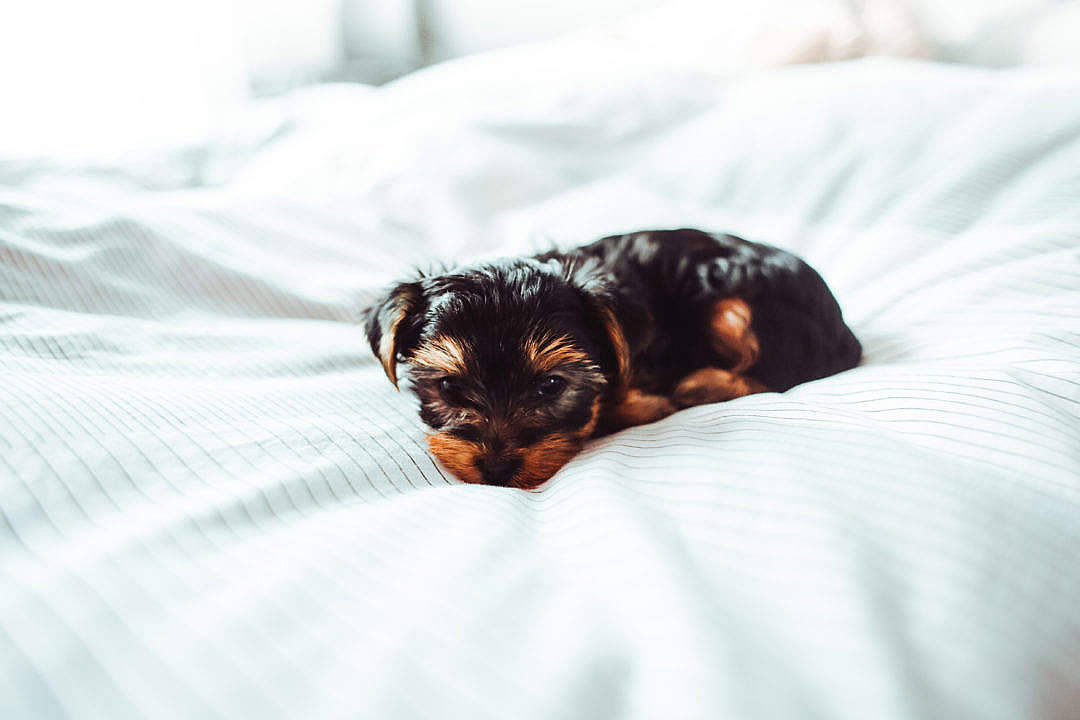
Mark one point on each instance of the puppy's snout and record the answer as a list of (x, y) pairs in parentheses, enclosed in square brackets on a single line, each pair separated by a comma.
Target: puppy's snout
[(498, 470)]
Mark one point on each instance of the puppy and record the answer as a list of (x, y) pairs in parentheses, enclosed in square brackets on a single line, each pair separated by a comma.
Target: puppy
[(517, 363)]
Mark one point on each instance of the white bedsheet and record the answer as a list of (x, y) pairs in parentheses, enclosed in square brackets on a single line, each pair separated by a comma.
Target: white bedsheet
[(212, 503)]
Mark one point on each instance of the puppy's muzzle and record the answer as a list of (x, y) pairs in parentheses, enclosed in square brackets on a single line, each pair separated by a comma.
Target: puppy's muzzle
[(498, 469)]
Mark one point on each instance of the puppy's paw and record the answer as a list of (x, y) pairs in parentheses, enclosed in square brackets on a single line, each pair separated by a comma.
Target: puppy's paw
[(733, 314), (710, 385), (731, 335), (639, 408)]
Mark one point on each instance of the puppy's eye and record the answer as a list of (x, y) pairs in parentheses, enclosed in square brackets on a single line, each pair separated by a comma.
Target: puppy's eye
[(550, 387), (449, 387)]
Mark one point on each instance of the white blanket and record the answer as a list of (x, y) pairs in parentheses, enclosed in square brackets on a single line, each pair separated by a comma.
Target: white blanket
[(213, 504)]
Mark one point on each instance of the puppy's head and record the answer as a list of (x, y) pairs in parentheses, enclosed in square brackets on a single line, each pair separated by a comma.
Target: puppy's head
[(510, 363)]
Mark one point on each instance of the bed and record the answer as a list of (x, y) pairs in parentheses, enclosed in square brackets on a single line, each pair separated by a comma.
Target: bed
[(213, 504)]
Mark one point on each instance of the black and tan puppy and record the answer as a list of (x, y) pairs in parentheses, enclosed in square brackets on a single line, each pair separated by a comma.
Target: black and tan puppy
[(517, 363)]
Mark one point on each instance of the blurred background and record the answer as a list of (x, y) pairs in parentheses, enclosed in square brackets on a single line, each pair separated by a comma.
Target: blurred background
[(108, 76)]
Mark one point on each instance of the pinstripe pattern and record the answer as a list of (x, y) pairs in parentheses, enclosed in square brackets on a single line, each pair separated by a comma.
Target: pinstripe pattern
[(212, 504)]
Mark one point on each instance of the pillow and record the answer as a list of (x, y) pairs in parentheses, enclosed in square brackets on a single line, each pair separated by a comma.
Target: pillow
[(1053, 37), (91, 79), (82, 81), (1003, 32), (1045, 36), (732, 36)]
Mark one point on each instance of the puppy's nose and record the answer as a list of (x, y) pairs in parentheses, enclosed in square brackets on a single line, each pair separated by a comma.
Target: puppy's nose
[(497, 470)]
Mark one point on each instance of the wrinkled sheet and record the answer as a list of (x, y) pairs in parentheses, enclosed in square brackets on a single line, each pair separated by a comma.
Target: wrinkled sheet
[(212, 503)]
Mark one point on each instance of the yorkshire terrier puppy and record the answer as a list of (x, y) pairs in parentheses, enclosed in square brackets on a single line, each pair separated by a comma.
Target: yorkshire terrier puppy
[(517, 363)]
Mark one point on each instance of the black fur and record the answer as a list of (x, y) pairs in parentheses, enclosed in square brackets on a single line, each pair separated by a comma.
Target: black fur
[(491, 309), (656, 287), (664, 281)]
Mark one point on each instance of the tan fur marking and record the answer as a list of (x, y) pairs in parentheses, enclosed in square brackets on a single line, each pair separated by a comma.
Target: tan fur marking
[(457, 455), (639, 408), (547, 353), (594, 418), (618, 341), (542, 460), (710, 385), (441, 353), (731, 335)]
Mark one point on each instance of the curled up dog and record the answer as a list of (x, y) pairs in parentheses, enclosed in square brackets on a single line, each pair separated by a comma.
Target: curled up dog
[(517, 363)]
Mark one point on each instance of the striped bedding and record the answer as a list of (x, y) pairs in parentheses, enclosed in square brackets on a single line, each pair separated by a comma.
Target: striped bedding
[(212, 504)]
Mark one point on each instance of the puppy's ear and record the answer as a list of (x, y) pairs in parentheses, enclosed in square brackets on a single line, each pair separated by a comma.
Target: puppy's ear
[(392, 324), (602, 314)]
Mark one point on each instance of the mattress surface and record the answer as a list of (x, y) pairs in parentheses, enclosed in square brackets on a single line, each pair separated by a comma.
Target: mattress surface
[(213, 504)]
